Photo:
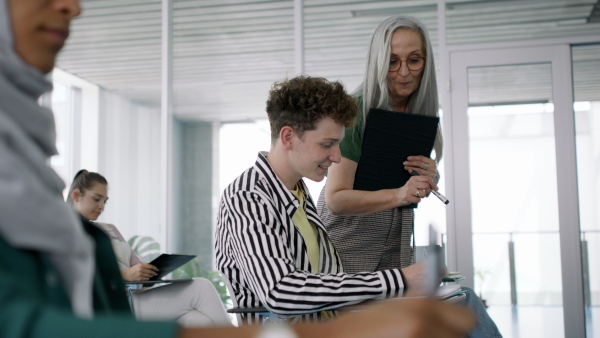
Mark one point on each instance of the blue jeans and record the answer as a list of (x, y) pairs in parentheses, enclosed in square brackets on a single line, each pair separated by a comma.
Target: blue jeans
[(484, 325)]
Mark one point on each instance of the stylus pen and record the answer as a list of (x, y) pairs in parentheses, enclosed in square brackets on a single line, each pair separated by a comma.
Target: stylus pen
[(437, 194)]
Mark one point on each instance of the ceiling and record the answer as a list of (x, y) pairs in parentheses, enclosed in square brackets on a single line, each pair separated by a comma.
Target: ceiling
[(227, 53)]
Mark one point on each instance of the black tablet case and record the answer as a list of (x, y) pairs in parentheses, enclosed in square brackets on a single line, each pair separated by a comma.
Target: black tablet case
[(389, 138), (166, 263)]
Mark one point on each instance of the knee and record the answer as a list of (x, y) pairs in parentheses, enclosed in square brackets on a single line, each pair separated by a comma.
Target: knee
[(468, 290), (469, 293), (202, 284)]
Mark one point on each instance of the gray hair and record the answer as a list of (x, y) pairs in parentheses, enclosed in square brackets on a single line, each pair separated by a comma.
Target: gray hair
[(374, 88)]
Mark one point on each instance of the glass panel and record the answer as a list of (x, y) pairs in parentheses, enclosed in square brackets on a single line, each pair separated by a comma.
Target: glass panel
[(514, 196), (336, 48), (62, 107), (226, 56), (117, 46), (471, 22), (586, 83), (432, 211), (236, 156)]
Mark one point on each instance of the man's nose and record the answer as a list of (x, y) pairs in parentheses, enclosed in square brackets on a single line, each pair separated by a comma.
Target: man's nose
[(336, 156)]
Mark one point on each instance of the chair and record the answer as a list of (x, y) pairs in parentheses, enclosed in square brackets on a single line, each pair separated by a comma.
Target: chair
[(128, 288), (262, 311), (268, 317), (131, 286)]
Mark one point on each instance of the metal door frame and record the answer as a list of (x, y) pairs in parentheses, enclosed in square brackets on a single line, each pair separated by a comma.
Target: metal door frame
[(460, 237)]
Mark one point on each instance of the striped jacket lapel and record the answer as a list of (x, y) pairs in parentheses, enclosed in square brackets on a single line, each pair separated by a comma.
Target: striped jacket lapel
[(329, 260)]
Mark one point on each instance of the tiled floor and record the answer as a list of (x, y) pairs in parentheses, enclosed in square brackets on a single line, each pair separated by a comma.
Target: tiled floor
[(539, 321)]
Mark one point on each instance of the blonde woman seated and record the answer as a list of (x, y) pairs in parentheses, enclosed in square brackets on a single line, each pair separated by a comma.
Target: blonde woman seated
[(195, 303)]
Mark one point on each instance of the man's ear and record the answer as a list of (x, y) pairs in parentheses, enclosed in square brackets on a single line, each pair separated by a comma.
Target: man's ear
[(76, 195), (286, 137)]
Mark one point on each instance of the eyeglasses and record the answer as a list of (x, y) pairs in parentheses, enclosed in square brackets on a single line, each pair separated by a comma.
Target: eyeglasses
[(413, 63)]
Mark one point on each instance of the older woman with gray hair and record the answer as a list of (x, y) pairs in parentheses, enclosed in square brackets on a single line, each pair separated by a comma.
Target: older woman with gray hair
[(373, 229)]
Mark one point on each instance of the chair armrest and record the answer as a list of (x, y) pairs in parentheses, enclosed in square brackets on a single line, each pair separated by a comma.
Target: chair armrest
[(258, 309)]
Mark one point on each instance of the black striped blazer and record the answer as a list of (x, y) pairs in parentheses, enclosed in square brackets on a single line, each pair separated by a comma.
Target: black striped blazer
[(262, 253)]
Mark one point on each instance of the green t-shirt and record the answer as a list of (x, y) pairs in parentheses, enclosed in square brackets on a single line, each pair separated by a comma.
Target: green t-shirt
[(351, 145)]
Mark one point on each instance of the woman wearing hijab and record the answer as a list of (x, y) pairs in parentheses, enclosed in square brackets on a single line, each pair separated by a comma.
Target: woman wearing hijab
[(52, 283)]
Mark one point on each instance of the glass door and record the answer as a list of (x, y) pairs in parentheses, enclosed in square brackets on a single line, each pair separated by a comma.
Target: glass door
[(586, 84), (514, 227)]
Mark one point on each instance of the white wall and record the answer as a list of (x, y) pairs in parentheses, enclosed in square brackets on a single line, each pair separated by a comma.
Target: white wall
[(129, 158)]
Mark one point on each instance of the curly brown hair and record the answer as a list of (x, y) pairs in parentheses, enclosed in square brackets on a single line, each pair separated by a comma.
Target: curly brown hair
[(303, 101)]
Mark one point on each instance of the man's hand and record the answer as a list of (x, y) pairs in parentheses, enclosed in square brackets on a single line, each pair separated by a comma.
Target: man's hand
[(415, 278)]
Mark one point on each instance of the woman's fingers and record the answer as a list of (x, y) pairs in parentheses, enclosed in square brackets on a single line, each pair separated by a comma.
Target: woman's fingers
[(422, 164), (145, 271), (149, 266), (420, 186)]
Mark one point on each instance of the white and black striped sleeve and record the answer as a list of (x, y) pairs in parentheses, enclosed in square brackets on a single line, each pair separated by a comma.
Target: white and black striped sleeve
[(257, 240)]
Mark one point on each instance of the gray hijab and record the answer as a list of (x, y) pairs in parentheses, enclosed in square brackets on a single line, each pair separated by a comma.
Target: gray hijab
[(33, 215)]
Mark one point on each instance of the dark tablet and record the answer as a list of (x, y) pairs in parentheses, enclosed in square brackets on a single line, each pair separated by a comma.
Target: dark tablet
[(389, 138), (166, 263)]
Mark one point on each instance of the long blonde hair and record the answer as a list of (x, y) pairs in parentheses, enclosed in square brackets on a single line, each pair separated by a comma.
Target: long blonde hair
[(374, 89)]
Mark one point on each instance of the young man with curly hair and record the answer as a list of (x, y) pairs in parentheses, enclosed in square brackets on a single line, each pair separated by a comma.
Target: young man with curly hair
[(270, 242)]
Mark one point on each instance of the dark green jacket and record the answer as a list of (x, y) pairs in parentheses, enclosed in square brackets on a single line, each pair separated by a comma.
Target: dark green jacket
[(33, 302)]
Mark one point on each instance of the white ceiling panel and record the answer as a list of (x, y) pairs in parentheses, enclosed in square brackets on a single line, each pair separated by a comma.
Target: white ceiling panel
[(227, 53)]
